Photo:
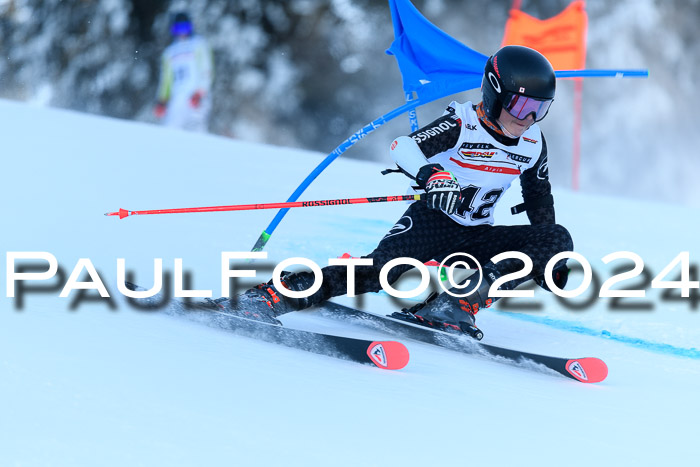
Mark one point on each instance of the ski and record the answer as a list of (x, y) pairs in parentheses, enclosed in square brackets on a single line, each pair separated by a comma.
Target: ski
[(585, 370), (387, 355)]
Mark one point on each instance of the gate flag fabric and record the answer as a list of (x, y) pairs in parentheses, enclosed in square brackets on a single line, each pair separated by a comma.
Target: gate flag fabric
[(432, 64), (561, 38)]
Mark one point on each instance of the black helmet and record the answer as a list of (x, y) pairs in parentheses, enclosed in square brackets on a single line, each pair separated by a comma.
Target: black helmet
[(519, 79)]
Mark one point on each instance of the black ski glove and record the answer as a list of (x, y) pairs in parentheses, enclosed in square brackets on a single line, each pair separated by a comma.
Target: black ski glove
[(441, 188)]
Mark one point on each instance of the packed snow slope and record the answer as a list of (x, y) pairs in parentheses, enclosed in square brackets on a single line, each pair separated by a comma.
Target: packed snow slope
[(86, 381)]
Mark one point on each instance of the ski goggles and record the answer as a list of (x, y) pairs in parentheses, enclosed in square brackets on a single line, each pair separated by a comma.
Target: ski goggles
[(181, 28), (520, 106)]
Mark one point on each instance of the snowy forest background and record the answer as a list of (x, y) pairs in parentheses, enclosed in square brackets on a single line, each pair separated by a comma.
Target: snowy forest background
[(305, 73)]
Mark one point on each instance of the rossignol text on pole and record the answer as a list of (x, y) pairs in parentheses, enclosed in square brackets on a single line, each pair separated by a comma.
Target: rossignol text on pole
[(122, 213)]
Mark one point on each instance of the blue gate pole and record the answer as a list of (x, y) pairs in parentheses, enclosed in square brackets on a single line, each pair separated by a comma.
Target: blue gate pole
[(602, 73), (344, 146), (412, 116)]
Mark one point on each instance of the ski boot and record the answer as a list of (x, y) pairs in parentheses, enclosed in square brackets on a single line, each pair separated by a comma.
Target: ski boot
[(445, 312), (265, 303)]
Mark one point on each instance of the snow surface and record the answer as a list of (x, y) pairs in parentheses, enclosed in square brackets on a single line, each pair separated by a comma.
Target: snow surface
[(87, 382)]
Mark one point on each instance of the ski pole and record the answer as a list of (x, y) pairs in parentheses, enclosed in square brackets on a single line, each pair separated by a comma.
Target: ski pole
[(122, 213)]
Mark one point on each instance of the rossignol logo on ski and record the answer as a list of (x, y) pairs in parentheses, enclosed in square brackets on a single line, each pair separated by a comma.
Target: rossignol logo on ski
[(378, 355), (576, 369)]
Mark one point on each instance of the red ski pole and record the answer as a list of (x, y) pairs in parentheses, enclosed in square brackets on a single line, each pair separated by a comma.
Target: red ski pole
[(122, 213)]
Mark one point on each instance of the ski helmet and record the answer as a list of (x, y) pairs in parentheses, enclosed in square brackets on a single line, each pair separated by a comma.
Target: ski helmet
[(520, 80), (181, 25)]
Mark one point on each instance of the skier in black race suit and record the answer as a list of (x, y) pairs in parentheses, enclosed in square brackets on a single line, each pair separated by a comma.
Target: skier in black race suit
[(464, 161)]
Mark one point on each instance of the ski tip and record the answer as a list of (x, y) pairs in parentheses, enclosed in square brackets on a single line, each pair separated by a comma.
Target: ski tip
[(587, 370), (388, 355)]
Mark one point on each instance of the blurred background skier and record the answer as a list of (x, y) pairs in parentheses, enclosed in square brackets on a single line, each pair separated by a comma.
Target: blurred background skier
[(186, 74)]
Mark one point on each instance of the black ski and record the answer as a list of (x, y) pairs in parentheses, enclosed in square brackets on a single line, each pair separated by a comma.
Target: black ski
[(387, 355), (586, 370)]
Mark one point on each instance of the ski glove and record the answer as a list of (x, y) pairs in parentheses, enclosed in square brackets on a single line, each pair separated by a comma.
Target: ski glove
[(441, 188), (196, 99)]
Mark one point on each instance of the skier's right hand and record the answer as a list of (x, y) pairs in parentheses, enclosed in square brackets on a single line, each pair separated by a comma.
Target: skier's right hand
[(442, 189), (159, 110)]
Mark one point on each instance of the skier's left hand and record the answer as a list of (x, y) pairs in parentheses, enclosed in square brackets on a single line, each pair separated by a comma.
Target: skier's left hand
[(196, 99)]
